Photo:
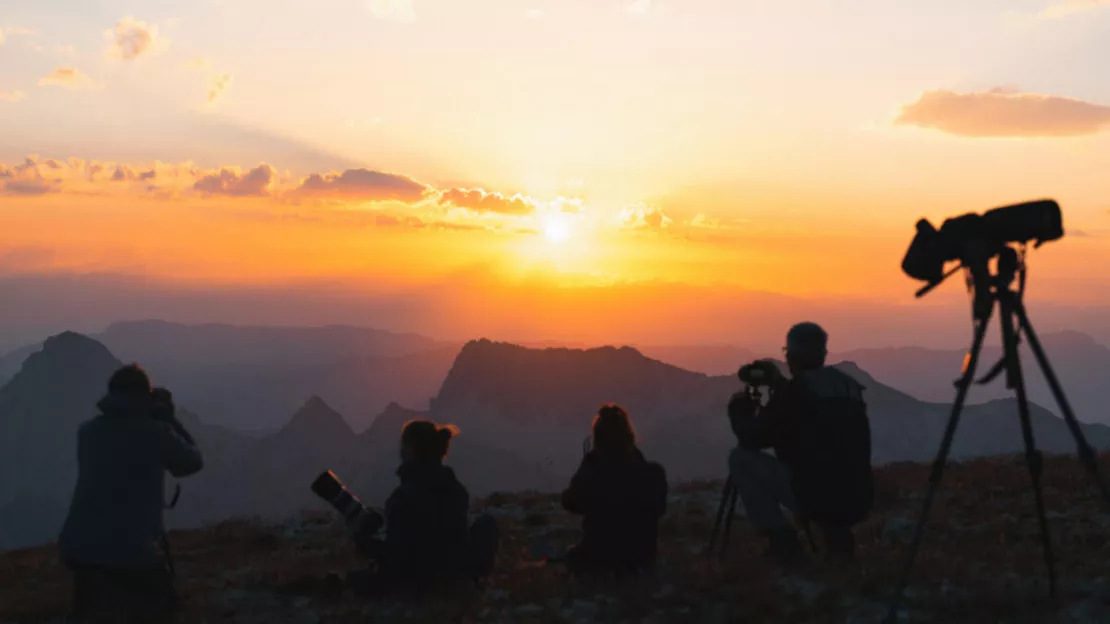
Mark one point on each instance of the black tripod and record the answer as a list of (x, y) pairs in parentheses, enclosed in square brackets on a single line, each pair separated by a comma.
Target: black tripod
[(990, 289), (728, 501)]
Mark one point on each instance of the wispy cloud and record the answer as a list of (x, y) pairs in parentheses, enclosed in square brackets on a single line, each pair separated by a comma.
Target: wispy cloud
[(392, 10), (234, 183), (1004, 113), (12, 96), (480, 200), (217, 86), (361, 184), (68, 78), (22, 32), (1067, 8), (197, 63), (643, 217), (132, 38)]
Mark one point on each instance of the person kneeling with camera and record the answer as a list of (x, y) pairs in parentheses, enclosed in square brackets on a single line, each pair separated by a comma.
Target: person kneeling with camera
[(427, 544), (816, 423), (113, 539)]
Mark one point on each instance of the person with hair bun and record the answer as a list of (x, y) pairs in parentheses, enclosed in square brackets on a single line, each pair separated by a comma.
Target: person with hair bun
[(621, 497), (427, 539)]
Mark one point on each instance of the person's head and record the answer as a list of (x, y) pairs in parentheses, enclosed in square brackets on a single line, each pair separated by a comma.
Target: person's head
[(806, 347), (423, 440), (131, 380), (612, 431)]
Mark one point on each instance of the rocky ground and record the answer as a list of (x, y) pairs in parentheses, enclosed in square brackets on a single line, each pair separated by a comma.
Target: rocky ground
[(981, 562)]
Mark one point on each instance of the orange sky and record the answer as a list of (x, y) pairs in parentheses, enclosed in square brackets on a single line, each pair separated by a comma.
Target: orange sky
[(383, 147)]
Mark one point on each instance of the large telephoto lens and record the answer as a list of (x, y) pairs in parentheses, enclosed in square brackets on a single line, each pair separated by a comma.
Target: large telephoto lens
[(359, 519)]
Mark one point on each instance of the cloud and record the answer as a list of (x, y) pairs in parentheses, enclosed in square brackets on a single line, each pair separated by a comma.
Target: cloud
[(217, 86), (68, 78), (132, 38), (15, 31), (1066, 8), (361, 184), (26, 179), (231, 182), (700, 220), (197, 63), (392, 10), (1004, 113), (480, 200), (12, 96), (638, 7), (643, 217)]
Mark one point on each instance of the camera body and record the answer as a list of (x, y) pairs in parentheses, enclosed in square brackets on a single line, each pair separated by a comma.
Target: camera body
[(759, 373)]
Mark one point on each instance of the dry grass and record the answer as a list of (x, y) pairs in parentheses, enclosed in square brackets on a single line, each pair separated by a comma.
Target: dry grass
[(981, 562)]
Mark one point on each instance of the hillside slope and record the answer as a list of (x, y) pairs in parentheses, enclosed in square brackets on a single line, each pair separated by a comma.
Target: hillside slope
[(981, 563)]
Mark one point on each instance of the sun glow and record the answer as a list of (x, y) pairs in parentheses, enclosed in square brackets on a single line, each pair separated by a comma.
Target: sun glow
[(557, 228)]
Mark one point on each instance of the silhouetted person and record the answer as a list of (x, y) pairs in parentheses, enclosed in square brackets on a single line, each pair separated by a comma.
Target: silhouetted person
[(621, 497), (113, 537), (427, 540), (816, 422)]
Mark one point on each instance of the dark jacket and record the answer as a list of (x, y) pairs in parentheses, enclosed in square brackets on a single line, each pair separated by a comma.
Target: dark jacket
[(817, 424), (123, 455), (426, 530), (621, 500)]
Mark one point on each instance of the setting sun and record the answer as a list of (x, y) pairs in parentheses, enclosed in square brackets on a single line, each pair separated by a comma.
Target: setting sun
[(557, 229)]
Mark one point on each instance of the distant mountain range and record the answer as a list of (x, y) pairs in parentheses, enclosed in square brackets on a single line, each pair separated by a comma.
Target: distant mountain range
[(523, 414), (252, 378)]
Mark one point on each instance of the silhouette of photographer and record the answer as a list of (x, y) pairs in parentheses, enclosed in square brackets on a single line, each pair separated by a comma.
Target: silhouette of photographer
[(621, 497), (816, 423), (428, 542), (113, 539)]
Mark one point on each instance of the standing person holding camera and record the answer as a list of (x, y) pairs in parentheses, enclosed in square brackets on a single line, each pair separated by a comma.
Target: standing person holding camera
[(816, 423), (112, 539)]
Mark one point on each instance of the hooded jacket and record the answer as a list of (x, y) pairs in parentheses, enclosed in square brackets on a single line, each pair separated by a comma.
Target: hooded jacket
[(426, 523), (123, 454), (621, 500)]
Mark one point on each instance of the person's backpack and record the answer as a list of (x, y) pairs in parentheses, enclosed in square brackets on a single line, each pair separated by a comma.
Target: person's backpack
[(833, 481)]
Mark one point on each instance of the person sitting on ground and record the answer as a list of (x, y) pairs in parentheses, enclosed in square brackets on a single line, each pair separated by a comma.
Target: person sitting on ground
[(427, 542), (817, 424), (113, 539), (621, 497)]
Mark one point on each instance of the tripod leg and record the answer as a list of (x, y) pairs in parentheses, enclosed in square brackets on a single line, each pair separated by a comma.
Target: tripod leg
[(1033, 457), (1083, 448), (733, 495), (938, 464), (725, 495)]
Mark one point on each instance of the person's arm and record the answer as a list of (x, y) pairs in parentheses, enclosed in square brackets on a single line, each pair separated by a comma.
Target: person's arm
[(180, 450), (577, 498), (657, 493), (778, 420)]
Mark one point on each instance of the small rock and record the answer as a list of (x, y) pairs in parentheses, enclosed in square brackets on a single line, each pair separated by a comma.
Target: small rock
[(528, 609), (897, 527)]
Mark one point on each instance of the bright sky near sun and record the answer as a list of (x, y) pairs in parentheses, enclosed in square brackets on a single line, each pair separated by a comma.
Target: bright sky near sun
[(761, 145)]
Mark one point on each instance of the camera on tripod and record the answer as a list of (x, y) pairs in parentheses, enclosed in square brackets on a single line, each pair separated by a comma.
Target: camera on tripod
[(974, 240), (971, 236)]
